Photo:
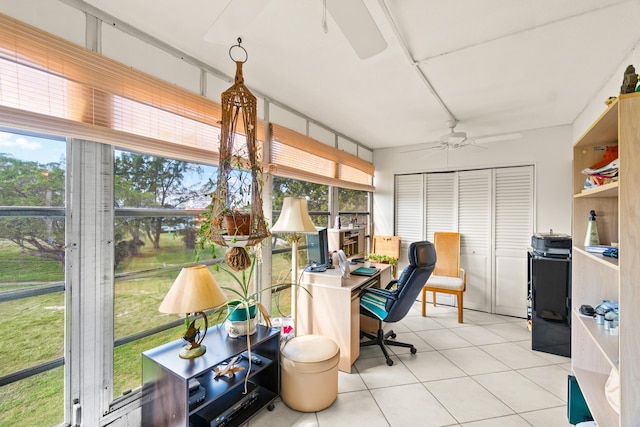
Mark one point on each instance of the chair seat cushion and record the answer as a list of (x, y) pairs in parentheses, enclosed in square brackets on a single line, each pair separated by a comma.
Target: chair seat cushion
[(374, 304), (445, 282)]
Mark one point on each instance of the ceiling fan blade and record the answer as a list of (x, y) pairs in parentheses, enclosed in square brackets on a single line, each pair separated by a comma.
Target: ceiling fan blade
[(472, 145), (356, 23), (435, 145), (498, 138), (234, 19)]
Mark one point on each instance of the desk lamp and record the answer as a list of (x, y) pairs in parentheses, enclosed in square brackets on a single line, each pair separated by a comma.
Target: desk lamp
[(294, 220), (193, 291)]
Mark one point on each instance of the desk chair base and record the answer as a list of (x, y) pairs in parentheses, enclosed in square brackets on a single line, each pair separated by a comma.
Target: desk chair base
[(381, 339)]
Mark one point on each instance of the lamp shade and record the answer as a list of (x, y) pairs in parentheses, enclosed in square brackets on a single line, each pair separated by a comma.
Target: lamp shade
[(194, 290), (294, 217)]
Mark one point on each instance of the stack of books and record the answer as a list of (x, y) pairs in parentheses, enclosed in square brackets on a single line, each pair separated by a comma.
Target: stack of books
[(610, 251), (603, 172)]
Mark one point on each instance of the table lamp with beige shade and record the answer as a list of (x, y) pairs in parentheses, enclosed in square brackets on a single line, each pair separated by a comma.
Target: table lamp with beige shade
[(194, 291)]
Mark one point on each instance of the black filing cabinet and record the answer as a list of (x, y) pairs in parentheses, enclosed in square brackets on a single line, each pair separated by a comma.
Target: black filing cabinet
[(550, 294)]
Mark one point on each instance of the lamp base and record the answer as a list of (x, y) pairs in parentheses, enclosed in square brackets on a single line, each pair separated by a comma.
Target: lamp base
[(192, 353)]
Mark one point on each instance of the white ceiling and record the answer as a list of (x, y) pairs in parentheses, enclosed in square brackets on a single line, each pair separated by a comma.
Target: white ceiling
[(498, 66)]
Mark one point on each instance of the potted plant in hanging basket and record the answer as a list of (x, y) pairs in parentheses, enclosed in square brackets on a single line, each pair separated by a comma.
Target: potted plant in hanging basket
[(237, 222)]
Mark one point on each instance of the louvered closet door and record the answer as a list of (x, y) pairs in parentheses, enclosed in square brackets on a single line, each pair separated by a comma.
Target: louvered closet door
[(441, 207), (513, 229), (409, 202), (474, 225), (441, 195)]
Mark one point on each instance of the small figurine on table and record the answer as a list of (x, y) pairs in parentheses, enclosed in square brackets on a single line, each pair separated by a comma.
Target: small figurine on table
[(229, 369), (630, 80)]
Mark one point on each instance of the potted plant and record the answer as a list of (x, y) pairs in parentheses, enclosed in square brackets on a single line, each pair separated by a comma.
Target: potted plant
[(237, 222), (242, 308), (240, 312), (384, 259)]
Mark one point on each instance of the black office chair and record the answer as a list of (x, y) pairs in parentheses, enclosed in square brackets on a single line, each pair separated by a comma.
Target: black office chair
[(391, 305)]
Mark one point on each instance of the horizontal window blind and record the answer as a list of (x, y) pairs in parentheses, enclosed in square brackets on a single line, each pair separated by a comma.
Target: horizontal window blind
[(55, 87), (298, 156), (52, 86)]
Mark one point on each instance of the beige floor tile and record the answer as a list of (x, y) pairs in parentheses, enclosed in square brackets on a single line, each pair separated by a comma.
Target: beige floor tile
[(419, 323), (376, 373), (441, 339), (511, 331), (451, 322), (350, 382), (397, 327), (566, 366), (518, 392), (411, 405), (431, 366), (467, 400), (515, 356), (552, 378), (482, 318), (479, 335), (508, 421), (282, 415), (369, 352), (482, 373), (553, 417), (410, 338), (352, 409), (553, 358), (474, 361)]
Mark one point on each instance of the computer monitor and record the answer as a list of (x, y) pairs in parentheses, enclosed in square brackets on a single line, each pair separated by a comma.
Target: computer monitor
[(318, 247)]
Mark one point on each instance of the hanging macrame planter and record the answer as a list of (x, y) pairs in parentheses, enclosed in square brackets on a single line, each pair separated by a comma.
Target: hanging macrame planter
[(236, 214)]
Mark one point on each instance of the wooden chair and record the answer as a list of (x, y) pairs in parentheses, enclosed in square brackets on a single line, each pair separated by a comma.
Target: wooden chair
[(447, 277), (387, 245)]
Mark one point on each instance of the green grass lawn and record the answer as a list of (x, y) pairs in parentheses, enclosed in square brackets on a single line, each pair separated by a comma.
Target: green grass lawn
[(33, 328)]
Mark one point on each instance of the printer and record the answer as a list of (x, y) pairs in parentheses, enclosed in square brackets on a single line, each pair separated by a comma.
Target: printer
[(553, 245)]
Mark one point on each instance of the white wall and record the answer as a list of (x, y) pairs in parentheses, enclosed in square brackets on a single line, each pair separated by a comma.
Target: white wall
[(609, 88), (549, 150)]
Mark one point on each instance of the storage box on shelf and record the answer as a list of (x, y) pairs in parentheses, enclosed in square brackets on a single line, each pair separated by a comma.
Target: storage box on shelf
[(170, 392), (595, 350)]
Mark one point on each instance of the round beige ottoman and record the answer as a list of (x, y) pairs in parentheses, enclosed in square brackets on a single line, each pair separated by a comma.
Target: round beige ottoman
[(309, 366)]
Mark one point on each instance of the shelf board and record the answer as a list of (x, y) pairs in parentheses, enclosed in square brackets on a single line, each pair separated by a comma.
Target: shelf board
[(608, 261), (606, 190), (606, 342), (592, 387), (604, 130)]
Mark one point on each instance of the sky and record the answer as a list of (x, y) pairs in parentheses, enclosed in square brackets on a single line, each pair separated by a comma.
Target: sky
[(32, 148)]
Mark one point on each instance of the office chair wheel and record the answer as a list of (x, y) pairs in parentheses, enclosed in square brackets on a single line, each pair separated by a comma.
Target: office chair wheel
[(413, 350), (389, 362), (393, 335)]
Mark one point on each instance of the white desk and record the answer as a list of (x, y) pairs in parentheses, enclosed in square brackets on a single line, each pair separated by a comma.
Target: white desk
[(333, 310)]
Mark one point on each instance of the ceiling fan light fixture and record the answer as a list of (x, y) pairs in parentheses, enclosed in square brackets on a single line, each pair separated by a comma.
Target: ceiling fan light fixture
[(453, 137)]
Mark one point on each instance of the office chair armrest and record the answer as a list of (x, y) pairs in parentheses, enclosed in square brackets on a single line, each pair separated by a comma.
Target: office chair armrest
[(391, 284), (380, 292)]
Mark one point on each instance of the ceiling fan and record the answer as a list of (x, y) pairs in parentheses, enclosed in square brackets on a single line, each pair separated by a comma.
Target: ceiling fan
[(456, 140), (352, 17)]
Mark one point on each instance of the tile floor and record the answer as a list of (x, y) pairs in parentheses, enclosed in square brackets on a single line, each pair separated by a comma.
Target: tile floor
[(482, 373)]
